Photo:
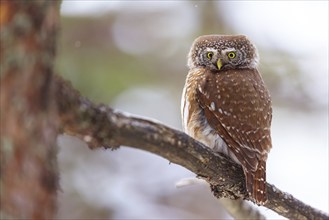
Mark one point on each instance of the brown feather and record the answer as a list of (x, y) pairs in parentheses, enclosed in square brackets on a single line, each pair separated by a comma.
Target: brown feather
[(237, 105), (226, 106)]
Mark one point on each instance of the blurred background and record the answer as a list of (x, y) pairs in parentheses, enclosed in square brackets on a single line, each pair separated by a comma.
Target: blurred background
[(131, 55)]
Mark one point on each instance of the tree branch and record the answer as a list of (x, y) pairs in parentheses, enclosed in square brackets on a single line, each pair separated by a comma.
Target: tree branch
[(101, 126)]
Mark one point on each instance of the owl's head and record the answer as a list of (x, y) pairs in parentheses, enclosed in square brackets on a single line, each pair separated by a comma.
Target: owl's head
[(222, 52)]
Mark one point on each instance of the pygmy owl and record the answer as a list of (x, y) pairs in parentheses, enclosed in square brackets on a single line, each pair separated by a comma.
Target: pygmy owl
[(226, 106)]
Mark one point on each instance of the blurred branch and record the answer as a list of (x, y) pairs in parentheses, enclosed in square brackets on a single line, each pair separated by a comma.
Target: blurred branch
[(101, 126)]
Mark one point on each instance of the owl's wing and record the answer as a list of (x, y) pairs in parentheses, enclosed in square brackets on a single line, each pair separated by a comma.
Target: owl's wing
[(238, 107)]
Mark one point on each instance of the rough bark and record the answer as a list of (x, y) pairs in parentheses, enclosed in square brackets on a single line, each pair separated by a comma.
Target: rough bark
[(101, 126), (28, 114)]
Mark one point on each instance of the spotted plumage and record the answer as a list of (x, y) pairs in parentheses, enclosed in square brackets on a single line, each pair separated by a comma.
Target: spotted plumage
[(226, 106)]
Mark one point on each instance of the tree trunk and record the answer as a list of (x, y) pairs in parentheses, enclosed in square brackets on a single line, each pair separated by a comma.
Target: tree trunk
[(29, 179)]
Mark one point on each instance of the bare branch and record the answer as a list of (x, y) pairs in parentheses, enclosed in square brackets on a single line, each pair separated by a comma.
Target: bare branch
[(101, 126)]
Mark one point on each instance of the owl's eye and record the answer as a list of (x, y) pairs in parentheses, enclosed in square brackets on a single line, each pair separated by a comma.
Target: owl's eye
[(210, 55), (231, 55)]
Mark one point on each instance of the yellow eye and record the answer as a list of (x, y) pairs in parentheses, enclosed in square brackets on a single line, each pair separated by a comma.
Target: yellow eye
[(210, 55), (231, 55)]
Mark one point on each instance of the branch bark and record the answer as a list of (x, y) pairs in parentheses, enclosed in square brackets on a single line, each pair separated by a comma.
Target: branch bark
[(101, 126)]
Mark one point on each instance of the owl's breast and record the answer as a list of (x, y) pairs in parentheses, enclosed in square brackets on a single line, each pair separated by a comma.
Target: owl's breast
[(227, 108)]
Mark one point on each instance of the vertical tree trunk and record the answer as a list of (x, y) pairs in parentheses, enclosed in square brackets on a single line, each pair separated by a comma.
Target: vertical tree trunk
[(28, 114)]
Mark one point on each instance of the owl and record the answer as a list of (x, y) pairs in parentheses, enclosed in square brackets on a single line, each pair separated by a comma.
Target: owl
[(226, 106)]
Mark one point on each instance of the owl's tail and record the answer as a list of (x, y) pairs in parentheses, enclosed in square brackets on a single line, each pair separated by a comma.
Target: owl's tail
[(256, 184)]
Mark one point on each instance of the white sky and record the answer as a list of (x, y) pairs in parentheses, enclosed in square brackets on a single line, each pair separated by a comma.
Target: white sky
[(303, 23)]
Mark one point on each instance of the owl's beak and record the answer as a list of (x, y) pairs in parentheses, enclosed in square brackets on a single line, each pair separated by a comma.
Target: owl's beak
[(219, 64)]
